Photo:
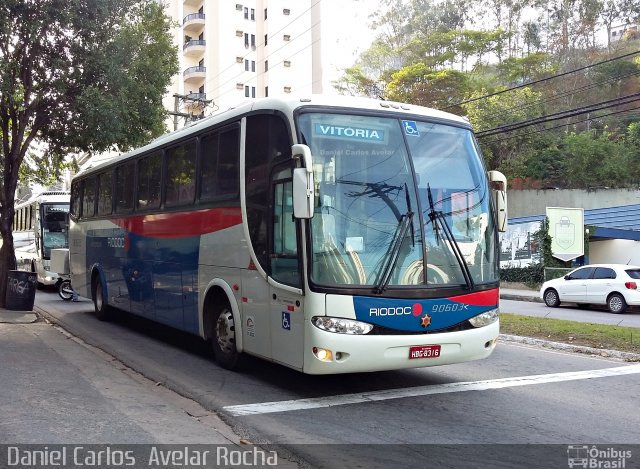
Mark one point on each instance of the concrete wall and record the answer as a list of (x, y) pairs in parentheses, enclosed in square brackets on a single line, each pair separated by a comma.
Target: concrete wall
[(614, 251), (524, 203)]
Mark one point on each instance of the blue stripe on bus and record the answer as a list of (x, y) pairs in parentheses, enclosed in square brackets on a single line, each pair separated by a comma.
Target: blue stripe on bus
[(417, 315), (154, 277)]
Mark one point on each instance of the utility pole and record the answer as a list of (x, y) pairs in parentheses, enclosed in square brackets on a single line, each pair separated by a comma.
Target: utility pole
[(188, 98)]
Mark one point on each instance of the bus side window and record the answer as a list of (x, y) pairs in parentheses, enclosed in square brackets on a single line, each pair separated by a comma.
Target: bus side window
[(124, 188), (76, 199), (219, 164), (89, 197), (105, 193), (181, 174), (149, 182)]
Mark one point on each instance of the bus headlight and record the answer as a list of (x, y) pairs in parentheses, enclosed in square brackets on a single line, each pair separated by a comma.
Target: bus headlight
[(484, 319), (341, 325)]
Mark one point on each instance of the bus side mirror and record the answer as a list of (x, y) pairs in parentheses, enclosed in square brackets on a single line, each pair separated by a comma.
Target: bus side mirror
[(498, 184), (303, 186)]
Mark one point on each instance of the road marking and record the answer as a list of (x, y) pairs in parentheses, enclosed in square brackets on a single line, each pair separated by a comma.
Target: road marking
[(359, 398)]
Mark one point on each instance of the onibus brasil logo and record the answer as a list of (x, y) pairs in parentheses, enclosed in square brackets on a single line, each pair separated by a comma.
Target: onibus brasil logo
[(597, 458)]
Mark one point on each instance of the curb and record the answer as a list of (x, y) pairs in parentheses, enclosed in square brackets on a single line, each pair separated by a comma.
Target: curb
[(604, 353), (508, 296)]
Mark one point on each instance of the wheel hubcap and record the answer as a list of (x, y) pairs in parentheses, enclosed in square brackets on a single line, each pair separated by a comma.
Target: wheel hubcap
[(615, 304), (224, 330)]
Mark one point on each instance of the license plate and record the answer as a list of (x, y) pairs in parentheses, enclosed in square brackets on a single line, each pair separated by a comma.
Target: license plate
[(424, 351)]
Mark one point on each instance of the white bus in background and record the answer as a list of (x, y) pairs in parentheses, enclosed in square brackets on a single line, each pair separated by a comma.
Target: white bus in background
[(327, 234), (39, 225)]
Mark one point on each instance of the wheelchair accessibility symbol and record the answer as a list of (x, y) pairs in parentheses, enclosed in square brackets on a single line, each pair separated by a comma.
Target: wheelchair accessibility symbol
[(286, 321), (411, 128)]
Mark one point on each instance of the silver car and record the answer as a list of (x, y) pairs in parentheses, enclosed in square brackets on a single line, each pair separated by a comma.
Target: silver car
[(613, 285)]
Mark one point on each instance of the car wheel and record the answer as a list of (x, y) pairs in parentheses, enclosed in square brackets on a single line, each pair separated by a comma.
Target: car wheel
[(223, 340), (551, 298), (616, 303), (103, 311)]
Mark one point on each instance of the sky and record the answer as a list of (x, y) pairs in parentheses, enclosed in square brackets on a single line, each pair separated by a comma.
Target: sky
[(345, 34)]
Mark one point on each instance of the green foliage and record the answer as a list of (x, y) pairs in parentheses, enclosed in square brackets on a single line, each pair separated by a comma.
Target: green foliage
[(76, 75), (499, 110), (532, 275), (355, 82), (442, 55), (596, 161), (416, 83), (598, 336)]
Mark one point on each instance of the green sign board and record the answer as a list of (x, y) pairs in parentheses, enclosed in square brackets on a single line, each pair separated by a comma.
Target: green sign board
[(566, 228)]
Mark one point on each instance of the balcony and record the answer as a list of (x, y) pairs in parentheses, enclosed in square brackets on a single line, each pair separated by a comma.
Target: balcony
[(193, 74), (194, 47), (193, 22)]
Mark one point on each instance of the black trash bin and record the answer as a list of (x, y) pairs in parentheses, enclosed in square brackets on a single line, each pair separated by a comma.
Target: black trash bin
[(21, 290)]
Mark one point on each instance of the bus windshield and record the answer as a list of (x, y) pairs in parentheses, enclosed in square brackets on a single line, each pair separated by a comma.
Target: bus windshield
[(395, 196), (55, 224)]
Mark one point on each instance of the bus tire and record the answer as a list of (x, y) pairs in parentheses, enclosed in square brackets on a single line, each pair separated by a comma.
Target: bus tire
[(103, 312), (223, 337)]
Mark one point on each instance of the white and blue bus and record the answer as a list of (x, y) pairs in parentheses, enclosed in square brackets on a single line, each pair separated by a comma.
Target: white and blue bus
[(41, 224), (328, 234)]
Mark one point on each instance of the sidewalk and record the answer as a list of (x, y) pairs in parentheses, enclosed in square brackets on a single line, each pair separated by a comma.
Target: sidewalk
[(17, 317), (57, 389), (520, 295)]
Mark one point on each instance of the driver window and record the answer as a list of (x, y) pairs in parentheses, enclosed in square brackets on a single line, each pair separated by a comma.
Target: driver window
[(284, 254)]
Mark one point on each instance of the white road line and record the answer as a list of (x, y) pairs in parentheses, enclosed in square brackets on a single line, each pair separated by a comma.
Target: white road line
[(359, 398)]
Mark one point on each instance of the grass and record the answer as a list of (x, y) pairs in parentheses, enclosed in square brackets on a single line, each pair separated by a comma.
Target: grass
[(625, 339)]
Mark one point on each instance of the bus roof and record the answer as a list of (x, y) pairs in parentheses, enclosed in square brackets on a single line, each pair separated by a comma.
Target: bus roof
[(47, 197), (286, 105)]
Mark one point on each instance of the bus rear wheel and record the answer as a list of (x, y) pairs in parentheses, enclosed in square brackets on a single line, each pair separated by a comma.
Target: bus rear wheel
[(103, 312), (223, 338)]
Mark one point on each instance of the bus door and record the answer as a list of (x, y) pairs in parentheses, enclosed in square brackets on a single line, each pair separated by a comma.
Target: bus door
[(285, 282)]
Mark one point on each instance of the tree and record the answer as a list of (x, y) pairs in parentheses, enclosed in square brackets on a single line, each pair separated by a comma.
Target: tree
[(499, 110), (77, 75), (417, 84)]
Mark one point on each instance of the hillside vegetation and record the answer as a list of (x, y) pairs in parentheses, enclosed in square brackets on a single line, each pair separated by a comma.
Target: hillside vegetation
[(551, 93)]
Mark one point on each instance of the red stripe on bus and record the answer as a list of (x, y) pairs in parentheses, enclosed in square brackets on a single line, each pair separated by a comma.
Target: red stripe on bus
[(482, 298), (181, 224)]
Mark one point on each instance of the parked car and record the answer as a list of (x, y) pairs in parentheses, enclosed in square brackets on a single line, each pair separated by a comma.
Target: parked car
[(613, 285)]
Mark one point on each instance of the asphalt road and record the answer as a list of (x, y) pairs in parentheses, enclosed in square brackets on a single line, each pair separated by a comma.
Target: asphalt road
[(522, 407)]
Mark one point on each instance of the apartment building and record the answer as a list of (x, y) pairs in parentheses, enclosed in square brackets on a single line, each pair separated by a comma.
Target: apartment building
[(232, 51), (619, 32)]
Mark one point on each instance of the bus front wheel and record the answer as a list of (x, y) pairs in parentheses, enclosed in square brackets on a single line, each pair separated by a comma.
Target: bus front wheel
[(223, 338), (103, 312)]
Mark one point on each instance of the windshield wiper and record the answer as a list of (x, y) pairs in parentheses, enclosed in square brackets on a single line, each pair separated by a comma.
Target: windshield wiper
[(439, 220), (394, 251)]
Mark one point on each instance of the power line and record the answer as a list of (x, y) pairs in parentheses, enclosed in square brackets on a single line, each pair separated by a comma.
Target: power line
[(561, 115), (548, 129), (565, 94), (542, 80)]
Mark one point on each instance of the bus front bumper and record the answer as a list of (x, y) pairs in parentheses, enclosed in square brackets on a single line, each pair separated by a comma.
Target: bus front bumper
[(344, 353)]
